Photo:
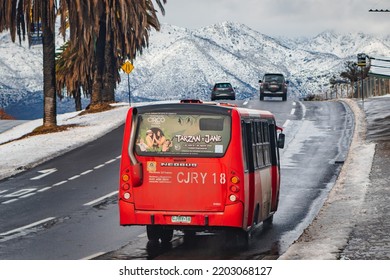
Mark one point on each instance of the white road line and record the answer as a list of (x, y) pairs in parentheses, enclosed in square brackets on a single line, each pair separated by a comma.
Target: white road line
[(294, 103), (292, 112), (44, 189), (45, 173), (21, 192), (74, 177), (86, 172), (27, 195), (93, 256), (4, 191), (118, 157), (100, 198), (111, 160), (10, 201), (142, 235), (99, 166), (286, 123), (60, 183), (26, 227)]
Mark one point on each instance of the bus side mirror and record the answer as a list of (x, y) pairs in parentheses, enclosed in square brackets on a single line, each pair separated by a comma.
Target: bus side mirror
[(136, 175), (281, 140)]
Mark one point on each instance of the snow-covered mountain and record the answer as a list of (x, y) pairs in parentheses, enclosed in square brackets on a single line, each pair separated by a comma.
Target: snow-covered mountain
[(183, 63)]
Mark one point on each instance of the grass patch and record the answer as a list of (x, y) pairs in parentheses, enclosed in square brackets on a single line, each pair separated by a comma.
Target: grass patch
[(98, 108)]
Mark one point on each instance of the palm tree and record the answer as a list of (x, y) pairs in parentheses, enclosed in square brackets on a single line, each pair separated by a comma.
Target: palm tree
[(123, 23), (21, 15), (99, 27)]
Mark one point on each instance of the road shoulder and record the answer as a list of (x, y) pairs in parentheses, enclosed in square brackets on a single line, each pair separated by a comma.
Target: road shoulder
[(328, 234)]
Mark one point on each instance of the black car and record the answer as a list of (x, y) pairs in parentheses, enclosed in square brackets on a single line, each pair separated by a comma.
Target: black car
[(223, 91), (273, 85)]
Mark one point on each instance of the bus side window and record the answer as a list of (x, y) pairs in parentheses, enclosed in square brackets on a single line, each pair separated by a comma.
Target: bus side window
[(248, 143), (255, 147), (244, 146), (273, 144), (266, 144)]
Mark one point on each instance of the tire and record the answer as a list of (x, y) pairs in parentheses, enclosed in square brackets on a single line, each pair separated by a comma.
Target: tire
[(153, 233), (166, 235), (238, 238), (269, 221)]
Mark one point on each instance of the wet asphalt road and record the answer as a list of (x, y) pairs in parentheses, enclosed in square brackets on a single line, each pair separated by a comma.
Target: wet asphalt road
[(317, 139)]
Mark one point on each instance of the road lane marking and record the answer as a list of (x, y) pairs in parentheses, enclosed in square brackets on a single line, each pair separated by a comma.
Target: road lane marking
[(292, 112), (20, 193), (110, 161), (45, 173), (74, 177), (27, 195), (86, 172), (17, 230), (286, 123), (60, 183), (10, 201), (99, 166), (44, 189), (3, 191), (100, 198)]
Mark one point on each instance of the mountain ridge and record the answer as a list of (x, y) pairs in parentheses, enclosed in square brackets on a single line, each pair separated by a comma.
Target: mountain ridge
[(184, 63)]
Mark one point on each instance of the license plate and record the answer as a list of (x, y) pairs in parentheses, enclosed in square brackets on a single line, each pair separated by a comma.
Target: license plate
[(181, 219)]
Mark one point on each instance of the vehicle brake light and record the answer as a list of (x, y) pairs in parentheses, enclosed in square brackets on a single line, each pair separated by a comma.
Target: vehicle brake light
[(125, 187), (234, 188)]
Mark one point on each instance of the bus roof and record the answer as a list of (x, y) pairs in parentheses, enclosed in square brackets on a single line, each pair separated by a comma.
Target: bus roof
[(199, 105)]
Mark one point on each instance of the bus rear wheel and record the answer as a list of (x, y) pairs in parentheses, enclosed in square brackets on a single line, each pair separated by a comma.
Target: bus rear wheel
[(155, 233)]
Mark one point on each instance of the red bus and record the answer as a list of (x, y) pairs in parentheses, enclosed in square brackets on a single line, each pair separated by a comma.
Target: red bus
[(193, 166)]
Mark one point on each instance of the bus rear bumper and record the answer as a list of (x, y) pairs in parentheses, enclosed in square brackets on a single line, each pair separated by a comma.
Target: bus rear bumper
[(232, 216)]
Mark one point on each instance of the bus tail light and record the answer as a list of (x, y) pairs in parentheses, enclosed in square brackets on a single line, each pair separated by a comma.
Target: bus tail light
[(234, 188), (125, 177), (125, 187), (126, 195), (232, 198), (235, 180)]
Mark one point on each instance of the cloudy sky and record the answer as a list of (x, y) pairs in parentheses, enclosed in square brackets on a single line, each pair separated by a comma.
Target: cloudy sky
[(291, 18)]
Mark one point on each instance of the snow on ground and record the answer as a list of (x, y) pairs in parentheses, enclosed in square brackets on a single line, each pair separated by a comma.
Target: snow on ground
[(16, 156)]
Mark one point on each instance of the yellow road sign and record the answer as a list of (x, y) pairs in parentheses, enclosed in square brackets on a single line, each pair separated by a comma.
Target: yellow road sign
[(127, 67)]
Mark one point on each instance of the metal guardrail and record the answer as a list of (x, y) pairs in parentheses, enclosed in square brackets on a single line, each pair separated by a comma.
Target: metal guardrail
[(372, 86)]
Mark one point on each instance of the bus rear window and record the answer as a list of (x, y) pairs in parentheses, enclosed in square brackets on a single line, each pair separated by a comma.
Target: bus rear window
[(211, 124), (182, 134)]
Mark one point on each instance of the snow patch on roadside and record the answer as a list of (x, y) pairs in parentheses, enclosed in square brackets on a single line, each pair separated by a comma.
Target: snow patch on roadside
[(17, 156)]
